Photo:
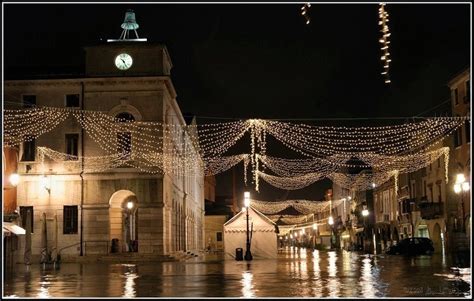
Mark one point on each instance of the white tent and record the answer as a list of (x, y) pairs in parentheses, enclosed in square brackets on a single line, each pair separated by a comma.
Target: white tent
[(264, 235)]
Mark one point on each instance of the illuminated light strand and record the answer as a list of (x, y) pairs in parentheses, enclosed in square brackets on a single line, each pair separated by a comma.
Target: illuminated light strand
[(151, 163), (384, 40), (302, 206), (310, 141), (27, 124), (215, 139), (305, 12), (392, 168)]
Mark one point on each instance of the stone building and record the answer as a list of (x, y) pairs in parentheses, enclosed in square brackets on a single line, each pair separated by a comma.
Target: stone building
[(82, 212)]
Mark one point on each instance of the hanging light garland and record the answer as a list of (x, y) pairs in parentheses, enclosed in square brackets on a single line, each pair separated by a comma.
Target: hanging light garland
[(302, 206), (384, 168), (305, 12), (156, 147), (384, 41)]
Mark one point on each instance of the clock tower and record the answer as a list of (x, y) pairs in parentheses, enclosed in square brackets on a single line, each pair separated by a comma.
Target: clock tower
[(126, 56)]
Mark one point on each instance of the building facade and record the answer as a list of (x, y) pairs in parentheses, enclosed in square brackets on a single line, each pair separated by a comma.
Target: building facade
[(425, 203), (87, 213)]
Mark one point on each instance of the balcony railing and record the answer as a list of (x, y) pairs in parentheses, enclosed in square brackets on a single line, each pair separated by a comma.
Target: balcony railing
[(430, 210)]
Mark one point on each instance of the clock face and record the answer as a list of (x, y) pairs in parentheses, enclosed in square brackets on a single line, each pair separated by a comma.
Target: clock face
[(123, 61)]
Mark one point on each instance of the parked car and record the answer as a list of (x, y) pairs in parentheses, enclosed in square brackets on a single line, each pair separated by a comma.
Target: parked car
[(412, 246)]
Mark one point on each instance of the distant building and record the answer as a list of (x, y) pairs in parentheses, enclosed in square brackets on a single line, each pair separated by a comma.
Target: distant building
[(218, 213)]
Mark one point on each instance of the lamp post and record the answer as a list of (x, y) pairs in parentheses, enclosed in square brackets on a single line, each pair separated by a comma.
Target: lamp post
[(365, 213), (315, 228), (248, 254), (129, 225), (461, 187)]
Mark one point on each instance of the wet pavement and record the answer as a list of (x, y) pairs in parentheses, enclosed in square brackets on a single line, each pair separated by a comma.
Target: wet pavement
[(296, 273)]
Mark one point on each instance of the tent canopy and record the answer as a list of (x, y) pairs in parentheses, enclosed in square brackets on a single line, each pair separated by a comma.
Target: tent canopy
[(260, 222), (263, 235)]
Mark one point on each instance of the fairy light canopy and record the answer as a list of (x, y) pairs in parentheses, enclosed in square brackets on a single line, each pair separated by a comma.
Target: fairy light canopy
[(328, 151)]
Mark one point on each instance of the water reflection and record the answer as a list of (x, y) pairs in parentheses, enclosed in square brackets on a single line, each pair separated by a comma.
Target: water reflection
[(247, 289), (317, 290), (367, 279), (333, 282), (130, 276), (296, 273)]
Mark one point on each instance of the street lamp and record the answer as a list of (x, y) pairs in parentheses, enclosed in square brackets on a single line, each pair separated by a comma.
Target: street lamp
[(331, 220), (248, 254), (129, 224), (461, 187), (46, 183), (14, 179), (315, 228), (365, 213)]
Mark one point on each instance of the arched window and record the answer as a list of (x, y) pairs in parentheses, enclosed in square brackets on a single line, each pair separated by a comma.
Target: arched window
[(124, 139)]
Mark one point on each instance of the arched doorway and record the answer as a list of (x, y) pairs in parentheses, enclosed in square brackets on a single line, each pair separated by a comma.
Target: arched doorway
[(123, 216), (436, 238)]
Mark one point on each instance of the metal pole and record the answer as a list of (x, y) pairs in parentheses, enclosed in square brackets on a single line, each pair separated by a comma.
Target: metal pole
[(248, 254), (81, 253), (463, 228)]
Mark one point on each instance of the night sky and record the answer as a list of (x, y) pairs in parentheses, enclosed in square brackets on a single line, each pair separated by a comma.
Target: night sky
[(263, 61)]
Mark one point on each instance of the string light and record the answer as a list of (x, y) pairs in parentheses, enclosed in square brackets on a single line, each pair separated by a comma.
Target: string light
[(384, 41), (190, 150), (302, 206), (305, 12)]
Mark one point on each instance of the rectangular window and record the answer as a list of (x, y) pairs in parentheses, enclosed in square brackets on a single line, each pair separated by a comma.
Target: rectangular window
[(23, 215), (467, 97), (70, 220), (430, 167), (72, 100), (72, 145), (467, 129), (456, 100), (439, 162), (219, 236), (439, 193), (413, 191), (431, 194), (458, 137), (424, 188), (29, 101), (29, 149)]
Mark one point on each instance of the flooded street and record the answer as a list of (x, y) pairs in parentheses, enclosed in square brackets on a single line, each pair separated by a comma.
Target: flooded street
[(296, 273)]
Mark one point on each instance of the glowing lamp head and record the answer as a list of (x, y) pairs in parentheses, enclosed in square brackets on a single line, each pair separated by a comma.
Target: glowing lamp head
[(460, 178), (14, 179), (331, 220), (291, 235), (465, 186), (315, 226), (302, 231), (457, 188), (373, 185), (365, 212), (247, 199), (296, 234), (45, 183), (130, 205), (349, 198)]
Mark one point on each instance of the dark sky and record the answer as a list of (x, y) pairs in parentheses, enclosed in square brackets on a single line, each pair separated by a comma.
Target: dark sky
[(262, 61)]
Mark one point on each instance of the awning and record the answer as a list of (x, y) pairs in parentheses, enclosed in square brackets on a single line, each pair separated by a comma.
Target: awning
[(12, 228)]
